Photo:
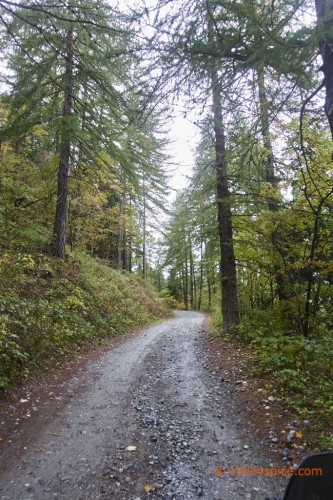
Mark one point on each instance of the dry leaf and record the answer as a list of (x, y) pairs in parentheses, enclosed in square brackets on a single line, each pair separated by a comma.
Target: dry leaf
[(148, 488), (271, 398), (298, 435), (131, 448)]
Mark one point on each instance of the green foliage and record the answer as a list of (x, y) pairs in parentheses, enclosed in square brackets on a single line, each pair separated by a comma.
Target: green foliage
[(301, 367), (48, 308), (191, 248), (12, 355), (26, 195), (325, 442), (169, 300), (216, 323), (62, 91)]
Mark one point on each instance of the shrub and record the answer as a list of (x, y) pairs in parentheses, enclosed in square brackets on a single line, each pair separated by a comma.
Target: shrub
[(48, 308)]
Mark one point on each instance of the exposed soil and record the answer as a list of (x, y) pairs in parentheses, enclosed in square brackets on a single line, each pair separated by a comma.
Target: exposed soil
[(259, 402), (150, 416)]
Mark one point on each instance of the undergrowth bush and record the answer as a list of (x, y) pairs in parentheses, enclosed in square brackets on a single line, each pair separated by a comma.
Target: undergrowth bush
[(302, 367), (169, 300), (48, 308), (216, 316)]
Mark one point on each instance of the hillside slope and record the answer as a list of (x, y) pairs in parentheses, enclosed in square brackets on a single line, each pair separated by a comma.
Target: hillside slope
[(48, 308)]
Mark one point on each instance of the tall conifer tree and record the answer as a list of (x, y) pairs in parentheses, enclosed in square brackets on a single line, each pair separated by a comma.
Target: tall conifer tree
[(68, 77)]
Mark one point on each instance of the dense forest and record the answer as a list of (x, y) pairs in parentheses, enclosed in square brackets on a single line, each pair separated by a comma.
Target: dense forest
[(87, 92)]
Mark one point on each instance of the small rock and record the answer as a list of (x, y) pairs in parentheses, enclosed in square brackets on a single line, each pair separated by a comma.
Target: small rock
[(291, 435)]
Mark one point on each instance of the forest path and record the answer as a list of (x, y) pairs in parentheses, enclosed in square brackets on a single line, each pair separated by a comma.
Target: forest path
[(161, 392)]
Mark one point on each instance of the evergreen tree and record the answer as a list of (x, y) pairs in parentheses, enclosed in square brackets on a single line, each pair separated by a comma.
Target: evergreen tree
[(324, 9), (67, 76)]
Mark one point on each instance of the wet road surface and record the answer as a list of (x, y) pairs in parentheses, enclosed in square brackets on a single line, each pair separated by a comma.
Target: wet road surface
[(151, 422)]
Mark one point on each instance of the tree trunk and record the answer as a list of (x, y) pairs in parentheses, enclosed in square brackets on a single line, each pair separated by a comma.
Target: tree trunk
[(310, 305), (120, 242), (201, 272), (159, 287), (230, 312), (192, 303), (267, 143), (269, 171), (324, 10), (129, 243), (210, 275), (144, 233), (60, 223), (185, 284)]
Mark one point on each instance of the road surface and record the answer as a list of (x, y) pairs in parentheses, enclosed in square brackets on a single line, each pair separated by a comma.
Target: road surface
[(148, 419)]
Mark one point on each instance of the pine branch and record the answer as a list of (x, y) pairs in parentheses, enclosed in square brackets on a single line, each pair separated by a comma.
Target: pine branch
[(38, 8)]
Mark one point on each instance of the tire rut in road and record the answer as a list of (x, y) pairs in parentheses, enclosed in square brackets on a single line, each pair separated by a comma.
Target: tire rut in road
[(160, 393), (67, 455), (183, 429)]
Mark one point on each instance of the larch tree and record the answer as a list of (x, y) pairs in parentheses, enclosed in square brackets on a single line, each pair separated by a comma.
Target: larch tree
[(218, 47), (324, 9), (66, 75)]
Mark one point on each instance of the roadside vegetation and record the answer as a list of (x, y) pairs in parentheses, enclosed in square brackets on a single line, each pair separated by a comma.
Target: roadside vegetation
[(295, 370), (49, 308), (82, 183)]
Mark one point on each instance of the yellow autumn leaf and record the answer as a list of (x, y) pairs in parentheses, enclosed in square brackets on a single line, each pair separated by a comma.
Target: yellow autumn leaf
[(298, 435), (148, 488)]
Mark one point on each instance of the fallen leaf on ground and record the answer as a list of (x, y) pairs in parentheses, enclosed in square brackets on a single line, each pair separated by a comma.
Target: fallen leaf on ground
[(148, 488), (298, 435)]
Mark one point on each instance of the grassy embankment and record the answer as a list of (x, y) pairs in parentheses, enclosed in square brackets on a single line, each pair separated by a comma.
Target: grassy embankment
[(49, 308)]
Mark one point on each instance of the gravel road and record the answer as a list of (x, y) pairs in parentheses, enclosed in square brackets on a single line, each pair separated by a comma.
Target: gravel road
[(151, 420)]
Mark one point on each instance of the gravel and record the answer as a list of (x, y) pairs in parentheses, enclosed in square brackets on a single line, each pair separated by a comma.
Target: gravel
[(154, 421)]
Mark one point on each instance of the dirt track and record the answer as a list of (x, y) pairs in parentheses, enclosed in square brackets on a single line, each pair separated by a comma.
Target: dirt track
[(160, 394)]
